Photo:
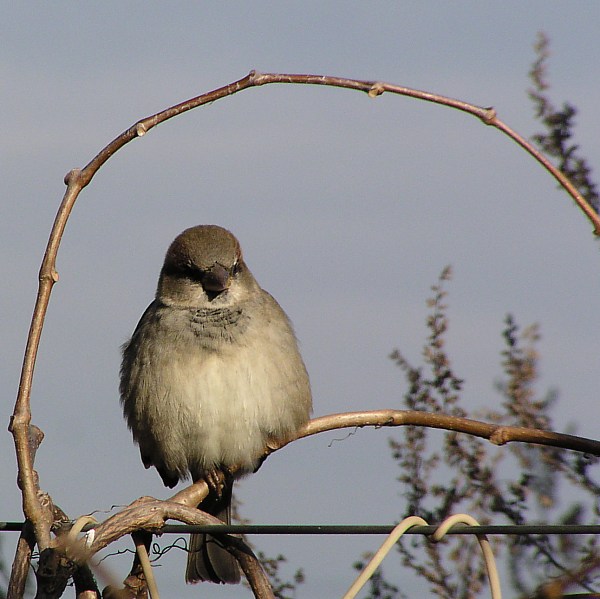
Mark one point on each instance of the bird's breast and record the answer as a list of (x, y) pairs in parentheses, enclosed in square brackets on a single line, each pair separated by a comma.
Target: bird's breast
[(224, 388)]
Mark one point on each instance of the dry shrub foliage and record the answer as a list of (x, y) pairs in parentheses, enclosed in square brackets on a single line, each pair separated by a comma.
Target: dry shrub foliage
[(514, 484), (558, 124), (282, 589)]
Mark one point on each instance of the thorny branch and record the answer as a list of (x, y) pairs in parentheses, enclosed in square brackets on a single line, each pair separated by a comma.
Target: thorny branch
[(77, 179)]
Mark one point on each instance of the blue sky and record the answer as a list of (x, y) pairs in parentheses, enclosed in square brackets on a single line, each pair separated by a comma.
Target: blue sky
[(347, 209)]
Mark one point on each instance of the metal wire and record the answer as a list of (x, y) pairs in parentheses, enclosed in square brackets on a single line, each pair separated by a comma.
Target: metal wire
[(360, 529), (365, 529)]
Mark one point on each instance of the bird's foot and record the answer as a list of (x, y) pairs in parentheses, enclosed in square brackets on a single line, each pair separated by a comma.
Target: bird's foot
[(216, 479)]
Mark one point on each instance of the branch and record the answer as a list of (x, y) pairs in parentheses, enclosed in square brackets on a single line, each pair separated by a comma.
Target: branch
[(45, 514), (142, 541), (252, 568), (557, 587), (145, 513), (77, 179), (496, 434), (20, 565), (150, 514)]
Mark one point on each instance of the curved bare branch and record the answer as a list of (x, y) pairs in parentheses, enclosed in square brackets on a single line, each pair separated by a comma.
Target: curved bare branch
[(150, 514), (496, 434), (77, 179)]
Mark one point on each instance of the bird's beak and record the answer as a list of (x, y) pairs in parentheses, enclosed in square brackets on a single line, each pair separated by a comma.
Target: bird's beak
[(217, 279)]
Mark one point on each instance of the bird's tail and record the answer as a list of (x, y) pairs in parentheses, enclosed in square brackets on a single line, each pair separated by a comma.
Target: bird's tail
[(207, 559)]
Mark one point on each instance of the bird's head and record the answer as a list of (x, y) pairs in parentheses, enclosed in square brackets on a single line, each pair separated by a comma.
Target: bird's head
[(204, 265)]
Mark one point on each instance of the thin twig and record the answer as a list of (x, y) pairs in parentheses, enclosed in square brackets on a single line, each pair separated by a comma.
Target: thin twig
[(20, 565), (555, 588), (142, 554), (496, 434), (77, 179), (252, 568)]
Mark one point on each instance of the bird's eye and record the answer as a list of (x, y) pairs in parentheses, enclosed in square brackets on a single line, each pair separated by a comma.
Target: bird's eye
[(191, 271), (237, 267)]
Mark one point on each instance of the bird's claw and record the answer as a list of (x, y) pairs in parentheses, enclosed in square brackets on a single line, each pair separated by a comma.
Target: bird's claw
[(216, 481)]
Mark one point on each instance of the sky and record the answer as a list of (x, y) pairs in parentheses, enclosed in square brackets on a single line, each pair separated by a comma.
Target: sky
[(347, 208)]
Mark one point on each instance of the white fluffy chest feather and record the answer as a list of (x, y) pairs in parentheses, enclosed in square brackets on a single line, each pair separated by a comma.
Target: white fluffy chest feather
[(204, 402), (226, 405)]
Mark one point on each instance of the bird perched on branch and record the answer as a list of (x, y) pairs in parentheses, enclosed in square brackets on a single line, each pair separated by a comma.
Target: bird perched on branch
[(211, 375)]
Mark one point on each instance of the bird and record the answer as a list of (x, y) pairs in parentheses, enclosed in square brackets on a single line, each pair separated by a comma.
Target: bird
[(211, 376)]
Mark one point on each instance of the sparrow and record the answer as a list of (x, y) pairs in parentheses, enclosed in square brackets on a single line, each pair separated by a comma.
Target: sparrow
[(211, 376)]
